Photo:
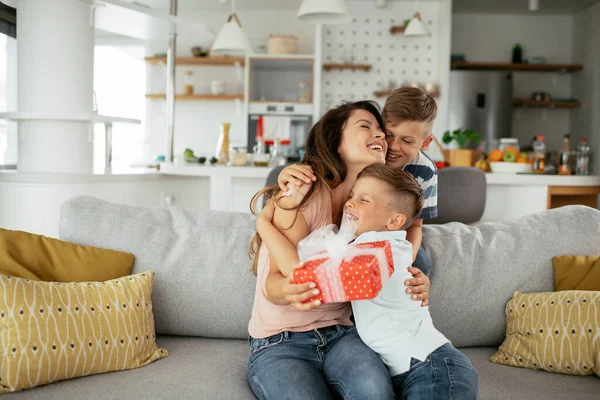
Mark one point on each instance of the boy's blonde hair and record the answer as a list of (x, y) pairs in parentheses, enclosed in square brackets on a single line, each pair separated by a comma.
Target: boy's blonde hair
[(407, 195), (409, 104)]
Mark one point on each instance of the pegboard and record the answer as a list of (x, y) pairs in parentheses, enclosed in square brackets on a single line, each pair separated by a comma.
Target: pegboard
[(395, 59)]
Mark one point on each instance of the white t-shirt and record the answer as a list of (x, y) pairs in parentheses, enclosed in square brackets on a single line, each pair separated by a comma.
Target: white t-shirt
[(392, 324)]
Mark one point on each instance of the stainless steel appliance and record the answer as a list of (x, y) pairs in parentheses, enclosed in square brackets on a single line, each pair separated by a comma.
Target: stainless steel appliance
[(482, 101)]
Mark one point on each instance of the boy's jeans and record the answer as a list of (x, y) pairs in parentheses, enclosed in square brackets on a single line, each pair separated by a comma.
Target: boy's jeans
[(317, 364), (445, 374), (422, 261)]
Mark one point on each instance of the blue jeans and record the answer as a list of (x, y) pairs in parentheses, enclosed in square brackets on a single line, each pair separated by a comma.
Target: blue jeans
[(445, 374), (422, 261), (320, 364)]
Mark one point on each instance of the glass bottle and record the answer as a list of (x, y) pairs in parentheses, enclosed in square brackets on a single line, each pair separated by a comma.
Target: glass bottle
[(564, 166), (277, 158), (539, 155), (260, 157), (222, 153), (583, 157)]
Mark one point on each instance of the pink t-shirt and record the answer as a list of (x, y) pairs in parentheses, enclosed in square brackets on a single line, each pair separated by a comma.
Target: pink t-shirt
[(269, 319)]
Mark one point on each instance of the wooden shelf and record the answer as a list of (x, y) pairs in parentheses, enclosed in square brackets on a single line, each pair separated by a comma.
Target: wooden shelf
[(492, 66), (278, 102), (330, 66), (386, 93), (223, 97), (198, 60), (529, 103), (397, 29)]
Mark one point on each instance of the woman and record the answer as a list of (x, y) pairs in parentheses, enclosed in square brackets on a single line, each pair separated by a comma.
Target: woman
[(314, 354)]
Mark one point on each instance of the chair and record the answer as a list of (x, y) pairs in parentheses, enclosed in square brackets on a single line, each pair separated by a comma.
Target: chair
[(461, 195), (274, 174)]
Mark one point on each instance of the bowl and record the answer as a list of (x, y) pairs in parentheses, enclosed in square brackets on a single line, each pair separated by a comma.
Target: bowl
[(510, 167)]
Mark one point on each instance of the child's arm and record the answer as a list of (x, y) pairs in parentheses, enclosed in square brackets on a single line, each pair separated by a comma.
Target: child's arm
[(414, 234), (281, 291), (282, 241)]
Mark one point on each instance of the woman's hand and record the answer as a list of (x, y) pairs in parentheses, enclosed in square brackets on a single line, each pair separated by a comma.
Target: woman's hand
[(297, 175), (296, 294), (418, 286)]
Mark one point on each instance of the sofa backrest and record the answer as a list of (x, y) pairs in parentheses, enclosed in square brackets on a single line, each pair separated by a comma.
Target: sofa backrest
[(475, 270), (204, 286)]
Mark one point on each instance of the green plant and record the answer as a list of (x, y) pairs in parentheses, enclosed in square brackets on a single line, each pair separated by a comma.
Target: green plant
[(463, 137)]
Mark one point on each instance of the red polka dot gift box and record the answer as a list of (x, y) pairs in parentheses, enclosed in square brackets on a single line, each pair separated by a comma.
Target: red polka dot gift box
[(358, 275)]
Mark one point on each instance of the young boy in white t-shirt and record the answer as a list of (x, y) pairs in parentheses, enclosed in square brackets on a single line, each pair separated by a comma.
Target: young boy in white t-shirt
[(384, 201)]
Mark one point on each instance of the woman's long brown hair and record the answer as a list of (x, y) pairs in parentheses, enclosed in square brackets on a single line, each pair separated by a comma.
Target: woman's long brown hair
[(321, 153)]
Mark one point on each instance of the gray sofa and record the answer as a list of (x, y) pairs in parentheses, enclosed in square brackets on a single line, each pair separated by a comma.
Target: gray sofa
[(204, 291)]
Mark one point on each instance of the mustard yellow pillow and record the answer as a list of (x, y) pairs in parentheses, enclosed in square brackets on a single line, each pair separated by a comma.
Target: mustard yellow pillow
[(576, 273), (556, 332), (50, 331), (29, 256)]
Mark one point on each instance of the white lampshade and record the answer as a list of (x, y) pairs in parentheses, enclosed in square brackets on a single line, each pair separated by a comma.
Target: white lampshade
[(416, 27), (324, 12), (231, 39)]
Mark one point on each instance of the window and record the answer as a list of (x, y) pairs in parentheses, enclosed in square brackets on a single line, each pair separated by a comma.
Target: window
[(120, 85), (8, 99)]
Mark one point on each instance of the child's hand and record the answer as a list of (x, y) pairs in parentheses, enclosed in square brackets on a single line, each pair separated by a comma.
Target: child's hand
[(296, 175), (418, 286), (297, 293)]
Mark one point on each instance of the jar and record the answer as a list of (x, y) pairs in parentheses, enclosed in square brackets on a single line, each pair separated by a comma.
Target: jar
[(508, 142), (303, 92), (188, 83), (238, 156)]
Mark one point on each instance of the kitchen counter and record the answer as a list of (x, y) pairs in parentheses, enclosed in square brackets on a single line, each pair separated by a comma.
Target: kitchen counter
[(548, 180), (516, 195), (230, 188)]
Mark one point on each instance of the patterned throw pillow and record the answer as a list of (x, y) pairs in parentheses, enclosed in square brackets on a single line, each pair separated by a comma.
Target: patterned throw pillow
[(50, 331), (29, 256), (556, 332), (576, 273)]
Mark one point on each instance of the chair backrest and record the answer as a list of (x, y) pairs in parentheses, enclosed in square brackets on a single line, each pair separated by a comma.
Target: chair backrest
[(273, 175), (461, 195)]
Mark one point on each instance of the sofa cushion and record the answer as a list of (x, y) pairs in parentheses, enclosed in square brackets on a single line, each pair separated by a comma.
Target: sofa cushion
[(476, 269), (203, 286), (556, 332), (215, 369), (29, 256), (51, 331), (576, 272), (196, 368), (503, 382)]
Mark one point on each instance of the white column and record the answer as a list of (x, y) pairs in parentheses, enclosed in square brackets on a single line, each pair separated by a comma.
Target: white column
[(55, 77), (12, 96)]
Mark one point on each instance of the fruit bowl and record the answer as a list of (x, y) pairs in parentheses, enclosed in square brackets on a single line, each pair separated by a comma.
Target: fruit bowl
[(510, 167)]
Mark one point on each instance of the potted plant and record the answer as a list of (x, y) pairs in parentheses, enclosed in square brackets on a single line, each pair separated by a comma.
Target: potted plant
[(464, 138)]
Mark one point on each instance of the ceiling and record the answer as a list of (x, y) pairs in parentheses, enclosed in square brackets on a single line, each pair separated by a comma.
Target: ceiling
[(484, 6)]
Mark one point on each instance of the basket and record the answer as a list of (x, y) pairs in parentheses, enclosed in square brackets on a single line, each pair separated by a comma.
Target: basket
[(282, 44)]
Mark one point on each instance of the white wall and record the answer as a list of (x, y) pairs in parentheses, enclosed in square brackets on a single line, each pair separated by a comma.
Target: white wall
[(196, 122), (395, 59), (586, 85), (487, 37)]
